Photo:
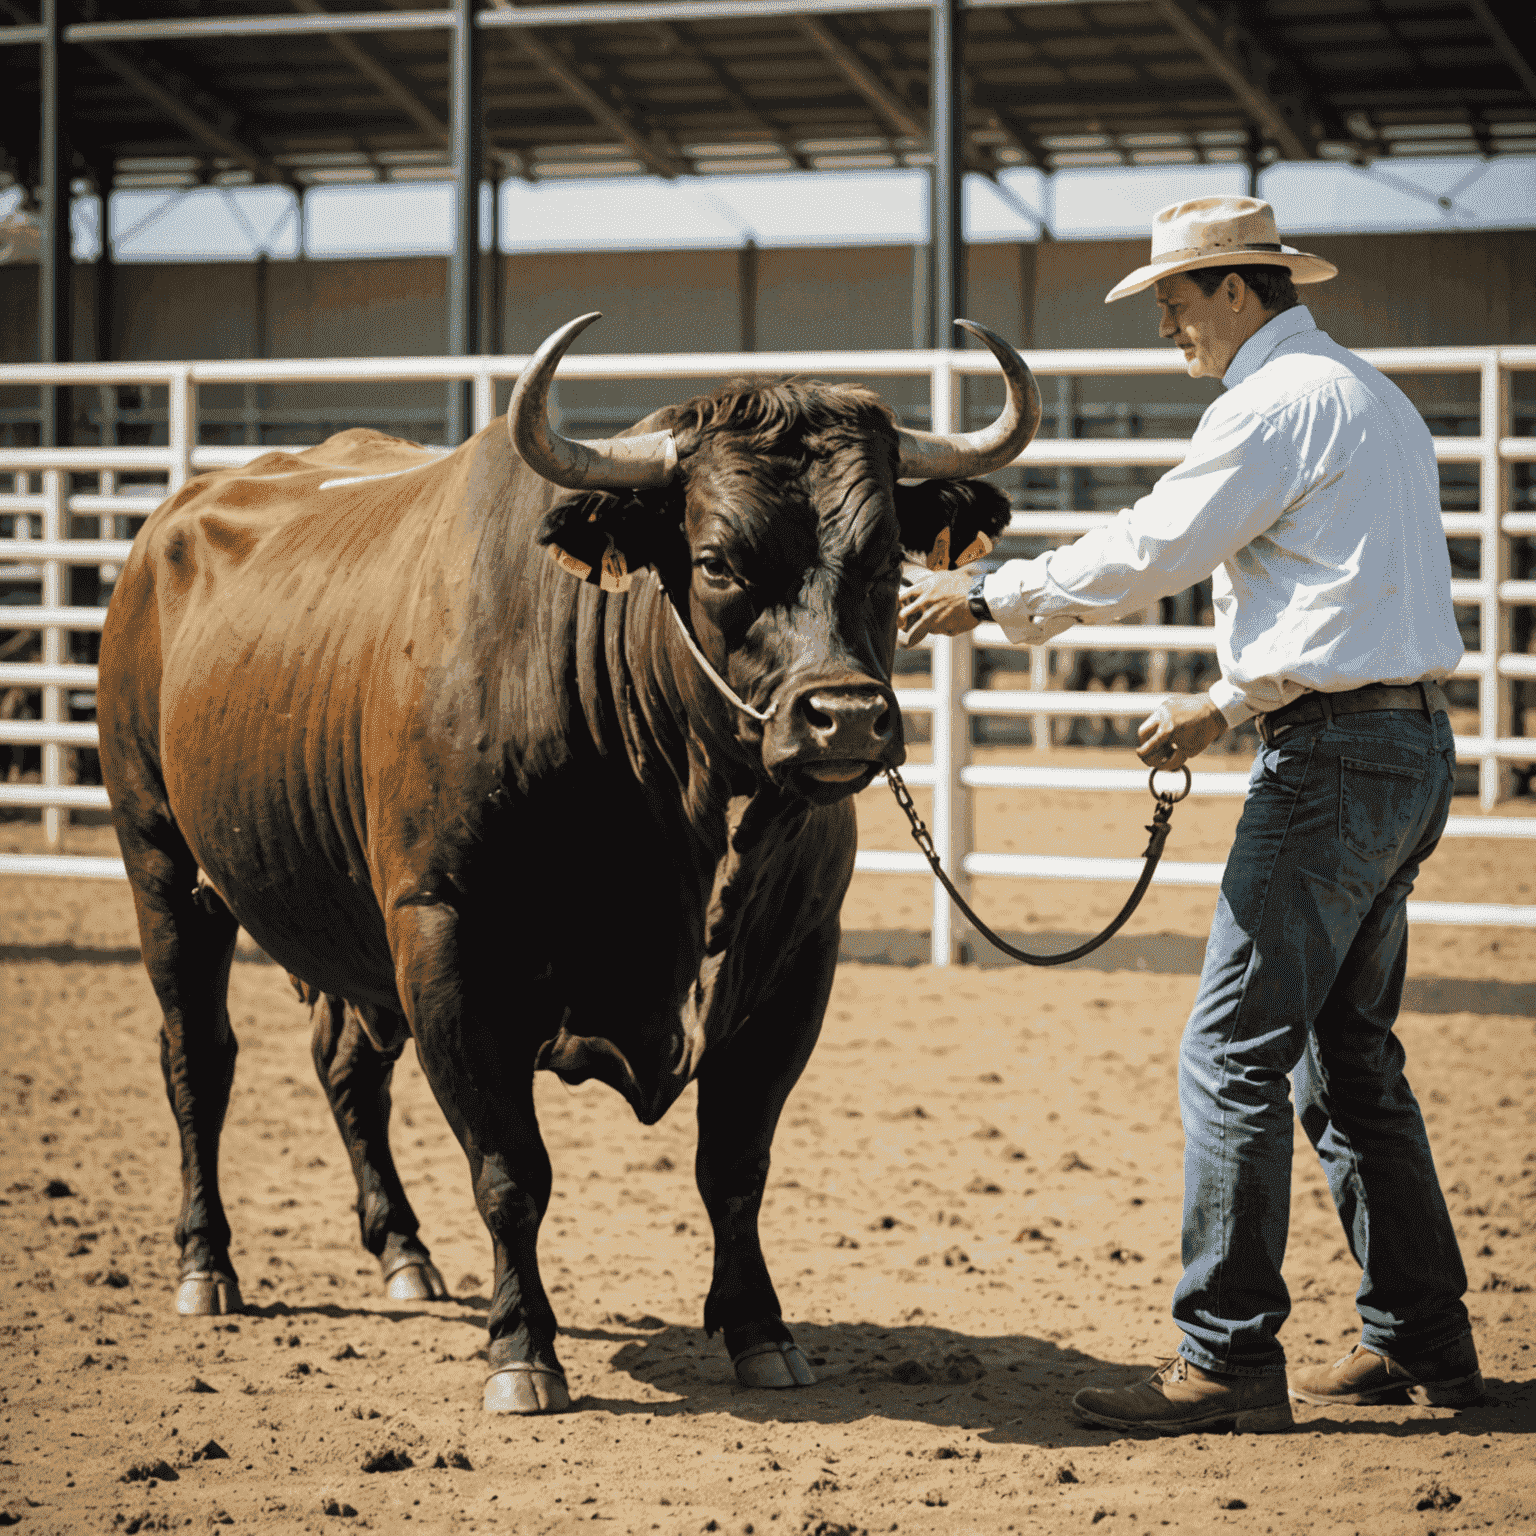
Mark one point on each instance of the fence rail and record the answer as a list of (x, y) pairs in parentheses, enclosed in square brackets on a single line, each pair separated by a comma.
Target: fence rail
[(950, 700)]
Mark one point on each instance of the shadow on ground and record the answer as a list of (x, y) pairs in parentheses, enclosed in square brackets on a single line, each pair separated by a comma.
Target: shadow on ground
[(1006, 1389)]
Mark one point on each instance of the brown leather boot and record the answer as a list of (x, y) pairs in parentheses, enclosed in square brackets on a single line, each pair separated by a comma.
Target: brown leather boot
[(1179, 1398), (1447, 1377)]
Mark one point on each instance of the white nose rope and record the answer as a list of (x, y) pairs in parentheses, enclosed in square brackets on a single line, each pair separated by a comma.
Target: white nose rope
[(757, 714)]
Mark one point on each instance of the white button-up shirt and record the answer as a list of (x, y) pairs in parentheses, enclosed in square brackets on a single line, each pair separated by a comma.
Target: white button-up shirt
[(1310, 495)]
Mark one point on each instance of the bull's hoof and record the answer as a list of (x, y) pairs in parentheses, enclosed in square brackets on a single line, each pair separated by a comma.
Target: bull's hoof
[(774, 1365), (416, 1280), (525, 1388), (207, 1293)]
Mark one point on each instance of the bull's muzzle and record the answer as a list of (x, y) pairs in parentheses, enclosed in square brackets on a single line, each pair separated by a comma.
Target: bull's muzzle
[(835, 737)]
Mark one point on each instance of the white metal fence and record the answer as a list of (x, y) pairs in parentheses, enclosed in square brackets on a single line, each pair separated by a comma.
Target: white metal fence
[(42, 489)]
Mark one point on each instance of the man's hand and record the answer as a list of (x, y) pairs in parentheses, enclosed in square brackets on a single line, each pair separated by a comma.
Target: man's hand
[(1177, 730), (937, 604)]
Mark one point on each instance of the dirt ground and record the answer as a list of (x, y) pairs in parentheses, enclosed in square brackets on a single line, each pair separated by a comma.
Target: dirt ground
[(973, 1212)]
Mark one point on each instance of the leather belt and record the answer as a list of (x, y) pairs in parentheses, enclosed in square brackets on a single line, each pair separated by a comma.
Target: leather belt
[(1424, 697)]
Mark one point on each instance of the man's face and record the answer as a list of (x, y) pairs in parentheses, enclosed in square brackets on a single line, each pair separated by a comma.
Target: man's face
[(1208, 331)]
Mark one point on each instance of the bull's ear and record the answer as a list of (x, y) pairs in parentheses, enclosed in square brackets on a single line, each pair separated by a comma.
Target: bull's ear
[(947, 523), (603, 537)]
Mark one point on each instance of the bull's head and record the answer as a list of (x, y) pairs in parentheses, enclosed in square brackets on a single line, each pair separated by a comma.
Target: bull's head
[(775, 517)]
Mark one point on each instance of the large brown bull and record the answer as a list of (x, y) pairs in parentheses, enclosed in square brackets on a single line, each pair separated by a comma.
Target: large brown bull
[(590, 813)]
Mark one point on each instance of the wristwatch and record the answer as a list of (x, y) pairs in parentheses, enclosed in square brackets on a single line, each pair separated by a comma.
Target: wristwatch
[(976, 601)]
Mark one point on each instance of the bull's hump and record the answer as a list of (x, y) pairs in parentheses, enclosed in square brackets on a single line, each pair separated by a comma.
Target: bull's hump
[(220, 520)]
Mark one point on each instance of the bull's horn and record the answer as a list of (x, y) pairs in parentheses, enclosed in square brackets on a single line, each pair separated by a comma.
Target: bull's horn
[(613, 463), (954, 456)]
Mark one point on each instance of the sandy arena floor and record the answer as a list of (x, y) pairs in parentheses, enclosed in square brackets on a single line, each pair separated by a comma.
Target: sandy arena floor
[(973, 1212)]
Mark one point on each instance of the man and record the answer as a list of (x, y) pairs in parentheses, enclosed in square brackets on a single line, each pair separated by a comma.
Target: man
[(1310, 493)]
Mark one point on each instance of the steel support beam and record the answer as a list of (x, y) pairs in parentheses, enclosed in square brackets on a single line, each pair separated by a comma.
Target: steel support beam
[(55, 329), (1522, 61), (173, 103), (103, 318), (735, 97), (883, 101), (655, 158), (464, 266), (388, 84), (1270, 90), (615, 13), (398, 91), (946, 177)]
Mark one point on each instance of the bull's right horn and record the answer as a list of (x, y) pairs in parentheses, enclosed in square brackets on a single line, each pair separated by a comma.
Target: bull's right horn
[(612, 463), (958, 455)]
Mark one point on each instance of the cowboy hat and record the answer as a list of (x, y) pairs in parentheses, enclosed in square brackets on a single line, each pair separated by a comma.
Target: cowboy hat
[(1219, 232)]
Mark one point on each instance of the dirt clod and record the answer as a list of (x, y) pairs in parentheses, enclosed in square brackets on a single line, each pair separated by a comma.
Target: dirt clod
[(454, 1459), (57, 1189), (212, 1451), (1233, 1504), (147, 1471), (962, 1365), (1435, 1495), (1066, 1473), (197, 1384), (391, 1459), (336, 1507)]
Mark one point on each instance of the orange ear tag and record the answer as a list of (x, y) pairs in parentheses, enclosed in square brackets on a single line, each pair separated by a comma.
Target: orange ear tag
[(615, 576), (938, 556), (979, 546), (568, 562)]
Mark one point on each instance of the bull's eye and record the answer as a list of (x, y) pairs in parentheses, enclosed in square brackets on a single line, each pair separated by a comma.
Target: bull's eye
[(714, 567)]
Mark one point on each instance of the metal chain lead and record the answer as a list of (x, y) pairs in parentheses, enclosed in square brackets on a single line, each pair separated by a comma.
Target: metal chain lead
[(1158, 830)]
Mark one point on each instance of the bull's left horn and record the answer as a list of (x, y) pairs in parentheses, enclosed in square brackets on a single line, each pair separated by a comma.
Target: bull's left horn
[(613, 463), (954, 456)]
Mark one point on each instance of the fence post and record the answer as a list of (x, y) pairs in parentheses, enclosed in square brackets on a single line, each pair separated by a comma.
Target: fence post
[(180, 426), (485, 400), (950, 663), (1495, 693), (52, 595)]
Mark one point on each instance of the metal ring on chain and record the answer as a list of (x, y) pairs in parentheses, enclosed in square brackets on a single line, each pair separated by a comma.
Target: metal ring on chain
[(1183, 794)]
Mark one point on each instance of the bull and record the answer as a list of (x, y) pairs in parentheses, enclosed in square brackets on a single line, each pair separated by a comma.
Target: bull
[(590, 814)]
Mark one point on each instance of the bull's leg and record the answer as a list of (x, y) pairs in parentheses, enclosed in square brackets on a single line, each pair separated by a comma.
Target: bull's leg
[(484, 1085), (187, 935), (356, 1075), (742, 1090)]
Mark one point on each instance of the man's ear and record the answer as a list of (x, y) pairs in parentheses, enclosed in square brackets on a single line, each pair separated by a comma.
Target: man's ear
[(602, 537), (949, 523)]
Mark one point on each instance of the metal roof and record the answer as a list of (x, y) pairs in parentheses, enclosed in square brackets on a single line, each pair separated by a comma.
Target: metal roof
[(180, 92)]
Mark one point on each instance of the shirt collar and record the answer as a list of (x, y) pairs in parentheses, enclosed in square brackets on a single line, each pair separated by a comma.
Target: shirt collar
[(1255, 352)]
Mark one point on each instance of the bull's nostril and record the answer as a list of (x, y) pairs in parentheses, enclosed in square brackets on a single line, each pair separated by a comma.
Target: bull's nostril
[(820, 720), (882, 726)]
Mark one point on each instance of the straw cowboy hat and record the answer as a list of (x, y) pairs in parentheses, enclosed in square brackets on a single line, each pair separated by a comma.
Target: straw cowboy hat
[(1219, 232)]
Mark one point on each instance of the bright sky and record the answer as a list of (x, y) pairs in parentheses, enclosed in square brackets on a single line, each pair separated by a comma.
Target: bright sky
[(818, 208)]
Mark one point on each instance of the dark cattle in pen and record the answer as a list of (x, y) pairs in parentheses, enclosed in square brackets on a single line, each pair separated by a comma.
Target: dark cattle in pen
[(588, 813)]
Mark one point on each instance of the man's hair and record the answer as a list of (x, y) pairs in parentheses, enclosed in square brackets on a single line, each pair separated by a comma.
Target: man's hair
[(1270, 285)]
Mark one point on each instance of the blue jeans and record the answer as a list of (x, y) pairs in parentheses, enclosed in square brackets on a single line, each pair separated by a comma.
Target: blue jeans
[(1304, 975)]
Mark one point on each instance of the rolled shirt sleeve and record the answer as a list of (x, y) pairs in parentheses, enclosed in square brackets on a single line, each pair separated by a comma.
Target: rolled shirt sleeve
[(1235, 482)]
